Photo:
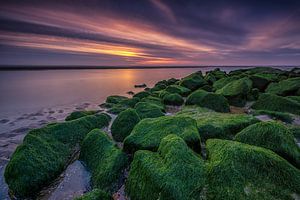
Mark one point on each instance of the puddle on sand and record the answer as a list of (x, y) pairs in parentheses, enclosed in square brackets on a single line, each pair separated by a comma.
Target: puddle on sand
[(75, 182)]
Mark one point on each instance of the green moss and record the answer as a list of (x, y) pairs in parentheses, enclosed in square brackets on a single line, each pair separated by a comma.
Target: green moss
[(105, 161), (241, 171), (183, 91), (217, 125), (95, 194), (276, 103), (115, 99), (224, 81), (158, 87), (273, 136), (142, 94), (163, 93), (214, 75), (173, 99), (209, 100), (124, 123), (148, 110), (154, 100), (294, 98), (78, 114), (123, 105), (285, 87), (116, 109), (174, 172), (148, 133), (262, 80), (285, 117), (236, 91), (193, 81), (295, 130), (44, 153), (207, 88)]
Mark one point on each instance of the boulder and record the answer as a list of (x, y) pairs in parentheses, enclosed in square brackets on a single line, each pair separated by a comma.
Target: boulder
[(148, 110), (173, 99), (193, 81), (285, 88), (183, 91), (78, 114), (142, 94)]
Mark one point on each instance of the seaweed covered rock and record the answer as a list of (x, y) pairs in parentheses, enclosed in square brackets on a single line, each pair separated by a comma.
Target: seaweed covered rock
[(148, 133), (236, 91), (142, 94), (154, 100), (95, 194), (183, 91), (209, 100), (173, 99), (115, 99), (262, 80), (224, 81), (148, 110), (214, 75), (193, 81), (124, 123), (273, 102), (285, 88), (294, 98), (116, 108), (45, 152), (240, 171), (285, 117), (174, 172), (78, 114), (273, 136), (217, 125), (105, 161)]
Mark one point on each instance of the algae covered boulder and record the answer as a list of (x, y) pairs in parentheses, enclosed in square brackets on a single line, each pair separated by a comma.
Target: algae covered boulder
[(44, 153), (148, 133), (240, 171), (124, 123), (273, 136), (148, 110), (121, 105), (217, 125), (193, 81), (236, 91), (154, 100), (285, 88), (95, 194), (105, 161), (209, 100), (262, 80), (273, 102), (78, 114), (283, 116), (142, 94), (183, 91), (115, 99), (224, 81), (173, 99), (174, 172)]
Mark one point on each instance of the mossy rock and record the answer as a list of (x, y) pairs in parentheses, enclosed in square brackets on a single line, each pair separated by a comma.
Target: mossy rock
[(130, 102), (217, 125), (163, 93), (78, 114), (44, 153), (273, 102), (148, 110), (209, 100), (142, 94), (294, 98), (105, 161), (214, 75), (193, 81), (154, 100), (174, 172), (207, 88), (273, 136), (240, 171), (285, 88), (148, 133), (115, 99), (116, 109), (95, 194), (236, 91), (262, 80), (124, 123), (183, 91), (295, 130), (285, 117), (173, 99), (224, 81), (158, 87)]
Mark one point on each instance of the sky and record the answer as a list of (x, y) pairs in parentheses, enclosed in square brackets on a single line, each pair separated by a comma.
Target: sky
[(149, 32)]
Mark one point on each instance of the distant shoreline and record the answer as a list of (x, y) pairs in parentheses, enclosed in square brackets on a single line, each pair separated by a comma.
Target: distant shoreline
[(16, 68)]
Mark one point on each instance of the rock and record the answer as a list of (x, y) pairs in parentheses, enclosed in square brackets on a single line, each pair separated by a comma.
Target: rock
[(158, 87), (130, 92), (273, 102), (224, 81), (294, 98), (95, 194), (142, 94), (209, 100), (45, 152), (217, 125), (174, 172), (115, 99), (140, 85), (193, 81), (273, 136), (262, 80), (148, 133), (285, 117), (154, 100), (124, 123), (236, 91), (241, 171), (78, 114), (123, 105), (148, 110), (105, 161), (287, 87), (173, 99), (178, 89)]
